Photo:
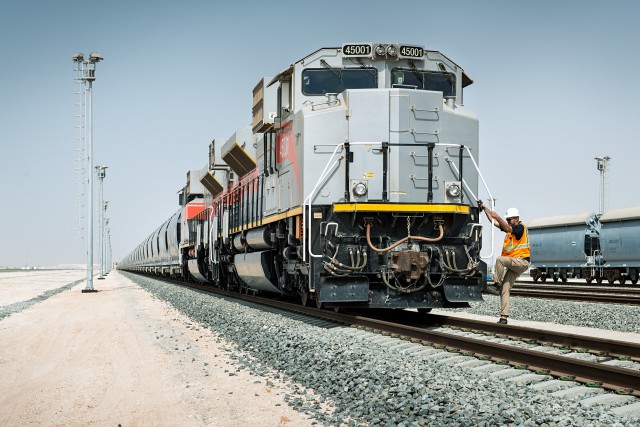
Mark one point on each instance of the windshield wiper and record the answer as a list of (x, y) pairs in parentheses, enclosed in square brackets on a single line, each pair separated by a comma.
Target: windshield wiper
[(362, 65), (417, 73), (336, 72)]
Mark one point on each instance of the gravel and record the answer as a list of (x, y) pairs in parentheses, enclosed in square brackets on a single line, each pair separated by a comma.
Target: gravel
[(366, 381)]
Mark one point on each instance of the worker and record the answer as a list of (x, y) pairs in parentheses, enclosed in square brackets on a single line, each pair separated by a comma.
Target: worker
[(515, 258)]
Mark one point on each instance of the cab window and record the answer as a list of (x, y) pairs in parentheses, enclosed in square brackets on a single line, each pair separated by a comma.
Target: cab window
[(337, 80), (424, 80)]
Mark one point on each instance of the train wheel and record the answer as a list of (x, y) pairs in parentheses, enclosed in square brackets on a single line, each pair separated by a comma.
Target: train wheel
[(305, 298), (599, 280), (318, 303), (634, 281), (564, 279), (338, 309), (555, 279), (611, 281), (543, 279), (424, 310), (622, 280)]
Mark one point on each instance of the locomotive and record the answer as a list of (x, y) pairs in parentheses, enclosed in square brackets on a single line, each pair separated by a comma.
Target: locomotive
[(587, 246), (354, 186)]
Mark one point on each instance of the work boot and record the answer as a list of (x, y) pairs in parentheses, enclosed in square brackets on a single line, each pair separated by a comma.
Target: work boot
[(493, 290), (502, 321)]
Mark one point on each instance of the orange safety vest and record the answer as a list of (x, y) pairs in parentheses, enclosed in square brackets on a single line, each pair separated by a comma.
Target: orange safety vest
[(517, 248)]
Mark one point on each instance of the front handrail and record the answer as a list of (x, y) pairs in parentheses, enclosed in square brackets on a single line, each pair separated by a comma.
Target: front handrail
[(448, 160), (306, 218)]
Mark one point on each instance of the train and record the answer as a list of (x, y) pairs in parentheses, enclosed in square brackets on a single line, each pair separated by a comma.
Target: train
[(587, 246), (354, 186)]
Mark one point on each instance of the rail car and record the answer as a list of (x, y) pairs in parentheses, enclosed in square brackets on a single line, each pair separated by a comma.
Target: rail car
[(564, 247), (587, 246), (620, 242), (354, 186)]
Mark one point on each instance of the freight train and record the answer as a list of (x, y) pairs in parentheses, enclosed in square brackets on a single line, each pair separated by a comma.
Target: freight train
[(354, 186), (587, 246)]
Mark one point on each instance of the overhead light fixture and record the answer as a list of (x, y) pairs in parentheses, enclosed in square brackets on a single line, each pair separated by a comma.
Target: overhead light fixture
[(95, 57)]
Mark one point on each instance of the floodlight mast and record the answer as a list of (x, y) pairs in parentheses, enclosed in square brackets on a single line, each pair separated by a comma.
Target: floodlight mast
[(87, 74), (107, 243), (602, 165), (101, 171)]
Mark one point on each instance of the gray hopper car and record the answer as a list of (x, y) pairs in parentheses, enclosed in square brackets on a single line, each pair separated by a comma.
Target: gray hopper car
[(586, 246), (564, 247), (620, 243)]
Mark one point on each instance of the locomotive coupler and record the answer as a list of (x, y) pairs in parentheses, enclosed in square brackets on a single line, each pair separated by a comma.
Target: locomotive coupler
[(410, 263)]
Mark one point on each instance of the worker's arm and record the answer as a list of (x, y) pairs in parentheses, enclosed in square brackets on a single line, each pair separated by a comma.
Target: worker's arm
[(495, 218)]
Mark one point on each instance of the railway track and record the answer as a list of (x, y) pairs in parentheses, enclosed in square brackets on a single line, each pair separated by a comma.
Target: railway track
[(576, 283), (581, 288), (579, 293), (612, 365)]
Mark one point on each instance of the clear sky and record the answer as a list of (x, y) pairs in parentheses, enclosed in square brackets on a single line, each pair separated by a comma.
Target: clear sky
[(554, 86)]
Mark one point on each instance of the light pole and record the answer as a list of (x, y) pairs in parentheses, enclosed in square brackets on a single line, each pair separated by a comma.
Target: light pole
[(87, 74), (109, 258), (103, 250), (101, 172), (602, 165), (105, 242)]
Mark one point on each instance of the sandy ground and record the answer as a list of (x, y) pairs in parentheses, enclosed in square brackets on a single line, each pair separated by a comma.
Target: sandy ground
[(16, 286), (119, 356)]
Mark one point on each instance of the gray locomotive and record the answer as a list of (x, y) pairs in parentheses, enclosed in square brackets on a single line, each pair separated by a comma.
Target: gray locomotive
[(587, 247), (353, 186)]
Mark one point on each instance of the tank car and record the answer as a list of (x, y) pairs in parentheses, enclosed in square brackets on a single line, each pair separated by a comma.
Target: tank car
[(564, 247), (160, 254), (354, 185), (620, 242)]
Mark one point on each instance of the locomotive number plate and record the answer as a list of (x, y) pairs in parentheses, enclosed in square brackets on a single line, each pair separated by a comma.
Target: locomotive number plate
[(362, 49), (411, 52)]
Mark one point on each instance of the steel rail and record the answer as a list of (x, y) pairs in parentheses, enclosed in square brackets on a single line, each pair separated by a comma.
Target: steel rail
[(580, 288), (600, 346), (577, 296)]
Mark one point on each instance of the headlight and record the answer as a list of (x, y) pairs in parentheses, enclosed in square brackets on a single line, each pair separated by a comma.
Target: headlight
[(453, 190), (392, 51), (380, 50), (359, 189)]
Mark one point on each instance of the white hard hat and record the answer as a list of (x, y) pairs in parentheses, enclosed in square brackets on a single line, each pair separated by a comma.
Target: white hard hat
[(512, 212)]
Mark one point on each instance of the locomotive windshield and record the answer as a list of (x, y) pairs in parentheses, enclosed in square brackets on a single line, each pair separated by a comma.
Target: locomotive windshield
[(336, 80), (424, 80)]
